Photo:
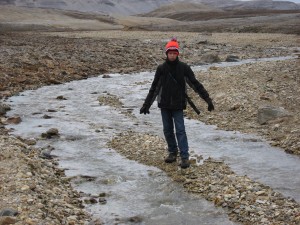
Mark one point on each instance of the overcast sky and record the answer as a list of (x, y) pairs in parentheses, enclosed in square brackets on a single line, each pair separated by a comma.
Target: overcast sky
[(297, 1)]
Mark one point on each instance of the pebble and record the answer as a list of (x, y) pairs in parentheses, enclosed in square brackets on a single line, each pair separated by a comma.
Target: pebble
[(25, 188), (8, 212)]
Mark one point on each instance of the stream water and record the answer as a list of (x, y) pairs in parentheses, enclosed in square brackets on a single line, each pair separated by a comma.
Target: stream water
[(133, 189)]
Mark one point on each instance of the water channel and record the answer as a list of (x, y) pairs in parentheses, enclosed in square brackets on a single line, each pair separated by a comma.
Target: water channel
[(133, 189)]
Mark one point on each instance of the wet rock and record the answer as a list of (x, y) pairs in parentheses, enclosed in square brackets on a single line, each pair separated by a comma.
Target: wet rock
[(106, 76), (96, 222), (83, 178), (210, 58), (30, 141), (213, 68), (46, 155), (232, 58), (267, 113), (8, 212), (53, 132), (36, 113), (47, 117), (3, 109), (102, 201), (52, 110), (102, 194), (135, 219), (6, 220), (90, 201), (88, 178), (14, 120), (61, 97)]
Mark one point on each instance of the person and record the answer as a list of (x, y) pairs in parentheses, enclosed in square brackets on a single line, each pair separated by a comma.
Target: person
[(169, 86)]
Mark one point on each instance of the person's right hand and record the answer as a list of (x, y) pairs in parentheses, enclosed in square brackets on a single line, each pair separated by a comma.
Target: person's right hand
[(145, 109), (210, 104), (210, 107)]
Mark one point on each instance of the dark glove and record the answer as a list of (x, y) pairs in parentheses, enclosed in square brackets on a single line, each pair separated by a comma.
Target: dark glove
[(145, 109), (210, 105)]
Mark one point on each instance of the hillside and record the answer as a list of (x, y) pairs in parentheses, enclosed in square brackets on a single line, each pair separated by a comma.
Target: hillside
[(174, 10), (264, 5), (21, 18), (215, 9), (128, 7), (133, 7)]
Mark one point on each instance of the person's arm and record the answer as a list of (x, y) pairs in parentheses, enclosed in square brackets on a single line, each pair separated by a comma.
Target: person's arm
[(198, 87), (153, 92)]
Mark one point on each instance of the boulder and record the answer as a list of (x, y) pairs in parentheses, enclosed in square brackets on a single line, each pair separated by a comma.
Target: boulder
[(210, 58), (53, 132), (232, 58), (267, 113), (3, 109), (14, 120)]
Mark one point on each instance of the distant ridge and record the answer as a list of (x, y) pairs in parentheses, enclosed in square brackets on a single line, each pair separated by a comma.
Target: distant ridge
[(133, 7)]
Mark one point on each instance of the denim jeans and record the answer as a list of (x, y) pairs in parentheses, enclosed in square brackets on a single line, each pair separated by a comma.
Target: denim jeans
[(169, 118)]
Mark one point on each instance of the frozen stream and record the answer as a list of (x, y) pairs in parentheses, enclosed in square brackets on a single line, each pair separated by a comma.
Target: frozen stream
[(134, 189)]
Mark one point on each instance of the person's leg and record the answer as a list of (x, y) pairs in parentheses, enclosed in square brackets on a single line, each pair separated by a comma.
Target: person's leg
[(181, 134), (168, 128)]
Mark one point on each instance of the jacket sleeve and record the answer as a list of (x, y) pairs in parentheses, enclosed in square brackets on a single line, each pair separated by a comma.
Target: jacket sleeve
[(195, 84), (154, 89)]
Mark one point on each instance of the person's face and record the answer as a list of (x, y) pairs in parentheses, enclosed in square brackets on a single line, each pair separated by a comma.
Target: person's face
[(172, 55)]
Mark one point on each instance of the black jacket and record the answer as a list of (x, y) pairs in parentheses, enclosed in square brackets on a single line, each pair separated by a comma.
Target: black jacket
[(169, 85)]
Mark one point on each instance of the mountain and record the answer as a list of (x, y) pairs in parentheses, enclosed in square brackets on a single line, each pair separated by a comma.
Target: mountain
[(175, 10), (132, 7), (118, 7), (264, 5)]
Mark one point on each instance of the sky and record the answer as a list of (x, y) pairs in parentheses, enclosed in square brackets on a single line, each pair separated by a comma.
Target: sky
[(297, 1)]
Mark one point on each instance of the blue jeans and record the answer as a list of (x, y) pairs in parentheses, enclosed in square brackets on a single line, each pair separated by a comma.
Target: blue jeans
[(169, 118)]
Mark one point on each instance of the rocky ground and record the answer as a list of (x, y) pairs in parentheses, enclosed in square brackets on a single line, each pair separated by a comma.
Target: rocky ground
[(31, 60), (34, 190), (245, 201), (261, 98)]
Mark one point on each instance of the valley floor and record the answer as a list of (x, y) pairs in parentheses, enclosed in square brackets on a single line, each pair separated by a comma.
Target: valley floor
[(30, 60)]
